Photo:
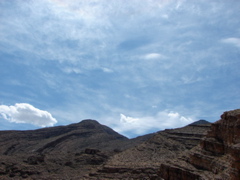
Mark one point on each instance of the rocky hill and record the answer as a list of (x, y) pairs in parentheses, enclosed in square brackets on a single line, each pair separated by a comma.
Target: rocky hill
[(216, 157), (61, 152), (89, 150), (144, 160)]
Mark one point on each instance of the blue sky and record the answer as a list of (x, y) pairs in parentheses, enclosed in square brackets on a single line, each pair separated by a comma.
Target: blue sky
[(138, 66)]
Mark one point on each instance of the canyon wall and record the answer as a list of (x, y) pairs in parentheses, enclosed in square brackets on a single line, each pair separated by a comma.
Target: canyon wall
[(216, 157)]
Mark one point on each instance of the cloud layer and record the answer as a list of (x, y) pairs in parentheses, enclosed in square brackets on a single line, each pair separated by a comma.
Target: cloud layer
[(26, 113), (98, 58)]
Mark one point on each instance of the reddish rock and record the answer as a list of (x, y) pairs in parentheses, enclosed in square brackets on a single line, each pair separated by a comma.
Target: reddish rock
[(217, 156)]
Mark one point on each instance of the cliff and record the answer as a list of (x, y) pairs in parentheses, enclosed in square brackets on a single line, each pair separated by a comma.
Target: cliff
[(216, 157)]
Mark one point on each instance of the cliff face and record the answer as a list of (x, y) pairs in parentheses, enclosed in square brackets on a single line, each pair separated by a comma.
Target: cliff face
[(217, 156)]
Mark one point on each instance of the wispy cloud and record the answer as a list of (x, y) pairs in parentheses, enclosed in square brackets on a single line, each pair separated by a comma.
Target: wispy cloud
[(94, 59), (69, 70), (233, 40)]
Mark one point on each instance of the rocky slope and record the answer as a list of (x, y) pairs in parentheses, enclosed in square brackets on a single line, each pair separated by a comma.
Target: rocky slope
[(144, 160), (89, 150), (58, 152), (216, 157)]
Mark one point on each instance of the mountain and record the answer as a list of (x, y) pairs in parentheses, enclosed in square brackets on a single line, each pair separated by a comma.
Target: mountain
[(90, 150), (55, 152), (61, 138), (144, 160), (201, 121), (61, 152)]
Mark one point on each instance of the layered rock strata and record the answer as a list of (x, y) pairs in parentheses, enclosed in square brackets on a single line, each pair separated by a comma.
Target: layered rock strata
[(217, 156), (144, 160)]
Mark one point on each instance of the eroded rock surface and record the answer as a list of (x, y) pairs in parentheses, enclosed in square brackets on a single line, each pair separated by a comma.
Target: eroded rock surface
[(217, 156), (144, 160), (89, 150)]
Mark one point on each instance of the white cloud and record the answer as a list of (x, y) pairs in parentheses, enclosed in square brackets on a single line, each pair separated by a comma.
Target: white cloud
[(126, 119), (232, 40), (153, 56), (26, 113), (142, 125)]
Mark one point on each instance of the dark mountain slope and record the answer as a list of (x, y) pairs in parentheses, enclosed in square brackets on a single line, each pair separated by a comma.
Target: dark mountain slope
[(51, 152), (88, 133)]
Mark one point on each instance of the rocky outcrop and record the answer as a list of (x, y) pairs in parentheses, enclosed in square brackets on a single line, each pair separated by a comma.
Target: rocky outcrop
[(216, 157), (190, 135)]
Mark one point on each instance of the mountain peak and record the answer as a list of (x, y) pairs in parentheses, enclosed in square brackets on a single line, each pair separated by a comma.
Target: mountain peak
[(89, 123), (89, 120), (92, 121), (201, 121)]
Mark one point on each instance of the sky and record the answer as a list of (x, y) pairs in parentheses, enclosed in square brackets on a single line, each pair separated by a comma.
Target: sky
[(137, 66)]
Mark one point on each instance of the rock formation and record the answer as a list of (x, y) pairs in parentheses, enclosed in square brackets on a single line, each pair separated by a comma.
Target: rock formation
[(217, 156), (144, 160), (89, 150)]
